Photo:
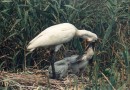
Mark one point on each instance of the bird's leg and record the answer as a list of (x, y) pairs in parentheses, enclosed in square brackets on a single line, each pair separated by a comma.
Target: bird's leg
[(52, 61)]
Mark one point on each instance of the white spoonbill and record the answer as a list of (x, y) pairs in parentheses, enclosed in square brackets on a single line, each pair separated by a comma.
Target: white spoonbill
[(58, 34)]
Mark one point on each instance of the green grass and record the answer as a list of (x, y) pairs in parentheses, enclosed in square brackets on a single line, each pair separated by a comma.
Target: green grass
[(22, 20)]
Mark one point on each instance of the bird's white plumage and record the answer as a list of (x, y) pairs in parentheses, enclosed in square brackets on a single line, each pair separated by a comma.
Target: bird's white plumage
[(53, 35), (58, 34)]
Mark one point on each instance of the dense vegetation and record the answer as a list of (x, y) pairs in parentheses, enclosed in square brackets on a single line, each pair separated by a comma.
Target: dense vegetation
[(22, 20)]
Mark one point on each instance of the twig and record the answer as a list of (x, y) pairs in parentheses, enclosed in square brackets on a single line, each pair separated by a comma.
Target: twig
[(108, 81)]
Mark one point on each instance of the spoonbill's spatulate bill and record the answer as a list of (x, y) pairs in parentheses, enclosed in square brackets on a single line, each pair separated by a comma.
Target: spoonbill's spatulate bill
[(58, 34)]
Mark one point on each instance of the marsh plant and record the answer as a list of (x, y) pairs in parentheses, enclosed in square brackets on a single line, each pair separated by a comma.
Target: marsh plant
[(22, 20)]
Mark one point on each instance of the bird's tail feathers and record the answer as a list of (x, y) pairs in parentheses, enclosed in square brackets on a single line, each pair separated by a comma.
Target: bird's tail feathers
[(29, 48)]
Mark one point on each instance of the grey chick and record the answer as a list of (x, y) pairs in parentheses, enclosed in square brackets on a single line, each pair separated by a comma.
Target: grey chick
[(62, 67), (79, 64), (74, 64)]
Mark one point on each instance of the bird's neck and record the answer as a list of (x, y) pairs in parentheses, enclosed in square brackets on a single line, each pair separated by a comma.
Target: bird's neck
[(79, 33)]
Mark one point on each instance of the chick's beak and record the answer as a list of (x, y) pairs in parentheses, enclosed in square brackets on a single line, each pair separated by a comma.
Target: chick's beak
[(89, 44)]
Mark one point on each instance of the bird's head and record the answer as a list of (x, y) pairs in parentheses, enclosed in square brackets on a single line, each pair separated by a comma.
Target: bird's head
[(89, 36)]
